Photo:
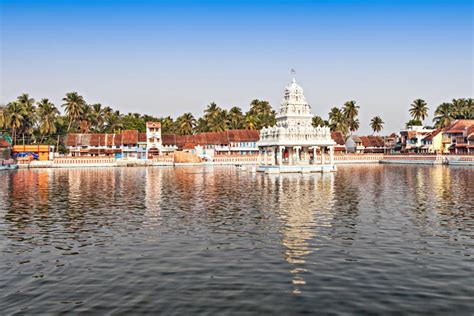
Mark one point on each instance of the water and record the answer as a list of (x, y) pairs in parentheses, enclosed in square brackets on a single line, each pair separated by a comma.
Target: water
[(369, 239)]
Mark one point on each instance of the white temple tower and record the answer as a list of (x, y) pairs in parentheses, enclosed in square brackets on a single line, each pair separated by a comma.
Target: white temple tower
[(293, 144)]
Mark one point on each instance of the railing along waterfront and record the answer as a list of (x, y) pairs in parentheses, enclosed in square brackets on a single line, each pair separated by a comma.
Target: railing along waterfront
[(83, 160)]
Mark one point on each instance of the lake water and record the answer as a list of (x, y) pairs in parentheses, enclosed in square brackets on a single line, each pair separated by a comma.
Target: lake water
[(368, 239)]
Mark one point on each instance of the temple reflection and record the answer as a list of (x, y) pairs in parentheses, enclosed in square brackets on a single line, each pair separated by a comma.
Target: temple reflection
[(304, 208)]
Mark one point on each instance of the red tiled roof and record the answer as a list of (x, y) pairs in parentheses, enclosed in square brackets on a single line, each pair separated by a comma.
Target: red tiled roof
[(153, 124), (431, 135), (210, 138), (372, 141), (129, 137), (338, 137), (459, 126), (142, 137)]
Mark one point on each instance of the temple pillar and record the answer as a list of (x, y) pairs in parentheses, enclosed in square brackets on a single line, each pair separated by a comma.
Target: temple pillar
[(314, 155), (322, 148), (331, 155), (265, 156)]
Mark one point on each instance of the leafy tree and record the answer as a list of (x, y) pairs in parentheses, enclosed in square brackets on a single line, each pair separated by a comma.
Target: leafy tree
[(413, 123), (419, 110), (376, 124), (48, 118), (235, 118), (443, 115), (318, 121), (74, 105), (185, 124)]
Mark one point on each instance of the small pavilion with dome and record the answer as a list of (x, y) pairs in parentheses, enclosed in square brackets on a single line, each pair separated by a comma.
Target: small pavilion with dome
[(293, 144)]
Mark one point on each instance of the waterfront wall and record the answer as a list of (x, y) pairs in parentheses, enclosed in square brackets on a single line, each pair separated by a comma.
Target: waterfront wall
[(68, 162)]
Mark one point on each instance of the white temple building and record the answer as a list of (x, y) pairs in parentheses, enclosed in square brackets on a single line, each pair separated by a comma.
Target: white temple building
[(293, 144)]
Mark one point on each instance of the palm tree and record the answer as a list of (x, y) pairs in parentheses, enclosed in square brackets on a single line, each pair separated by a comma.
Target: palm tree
[(218, 122), (29, 115), (337, 121), (235, 118), (251, 121), (459, 109), (318, 121), (353, 125), (3, 117), (264, 113), (185, 124), (376, 124), (167, 125), (48, 116), (74, 106), (350, 110), (419, 110), (443, 115), (97, 117), (15, 117)]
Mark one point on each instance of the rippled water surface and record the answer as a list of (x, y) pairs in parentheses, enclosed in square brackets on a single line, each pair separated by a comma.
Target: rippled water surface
[(371, 238)]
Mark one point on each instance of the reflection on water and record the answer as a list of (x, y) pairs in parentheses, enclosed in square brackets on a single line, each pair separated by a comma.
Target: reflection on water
[(191, 240)]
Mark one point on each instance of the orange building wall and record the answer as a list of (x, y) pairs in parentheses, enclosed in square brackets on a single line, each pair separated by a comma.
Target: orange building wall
[(41, 150)]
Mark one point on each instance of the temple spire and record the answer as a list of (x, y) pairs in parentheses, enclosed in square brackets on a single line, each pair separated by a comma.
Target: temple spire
[(293, 73)]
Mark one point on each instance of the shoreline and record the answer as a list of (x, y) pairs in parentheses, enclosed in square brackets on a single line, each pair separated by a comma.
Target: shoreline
[(72, 162)]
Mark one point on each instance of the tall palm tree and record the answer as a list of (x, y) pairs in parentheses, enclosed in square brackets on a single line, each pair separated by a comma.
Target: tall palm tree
[(235, 118), (376, 124), (264, 113), (29, 114), (185, 124), (318, 121), (337, 121), (251, 121), (3, 117), (74, 106), (97, 117), (353, 125), (167, 125), (419, 109), (459, 109), (218, 122), (15, 117), (350, 110), (48, 116), (443, 115)]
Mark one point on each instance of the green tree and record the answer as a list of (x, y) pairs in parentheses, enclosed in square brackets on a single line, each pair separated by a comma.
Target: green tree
[(74, 105), (413, 122), (251, 121), (337, 121), (15, 115), (376, 124), (235, 118), (443, 115), (419, 110), (185, 124), (318, 121), (48, 117)]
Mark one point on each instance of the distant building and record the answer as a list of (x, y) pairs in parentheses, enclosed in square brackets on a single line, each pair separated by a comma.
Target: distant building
[(458, 137), (433, 142), (339, 139), (410, 138), (365, 144), (39, 152), (208, 145)]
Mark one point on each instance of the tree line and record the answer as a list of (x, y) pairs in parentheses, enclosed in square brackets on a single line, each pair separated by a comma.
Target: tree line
[(31, 121)]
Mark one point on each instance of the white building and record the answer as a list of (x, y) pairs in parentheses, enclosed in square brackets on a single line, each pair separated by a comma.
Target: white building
[(293, 144)]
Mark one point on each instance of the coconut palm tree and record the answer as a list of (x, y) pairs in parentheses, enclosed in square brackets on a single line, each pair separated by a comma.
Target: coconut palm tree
[(350, 110), (353, 125), (29, 115), (3, 117), (218, 122), (318, 121), (376, 124), (443, 115), (235, 118), (15, 116), (337, 121), (419, 109), (167, 125), (74, 106), (97, 117), (185, 124), (48, 116), (251, 121)]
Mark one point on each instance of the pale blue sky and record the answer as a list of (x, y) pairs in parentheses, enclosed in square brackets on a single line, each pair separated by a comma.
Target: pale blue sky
[(170, 57)]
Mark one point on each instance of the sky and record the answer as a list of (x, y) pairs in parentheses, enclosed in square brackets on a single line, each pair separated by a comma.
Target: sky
[(169, 57)]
